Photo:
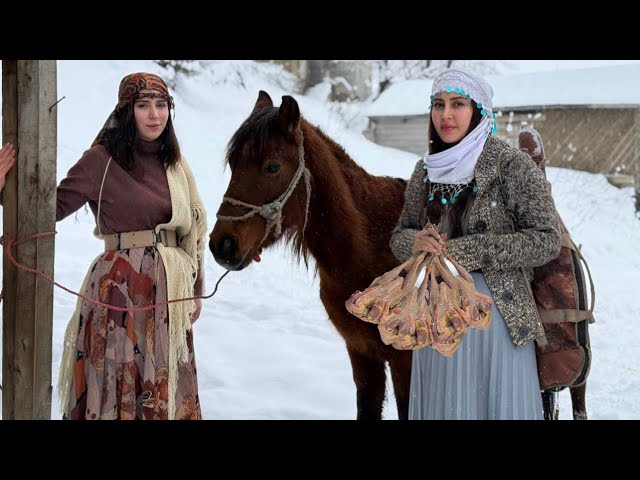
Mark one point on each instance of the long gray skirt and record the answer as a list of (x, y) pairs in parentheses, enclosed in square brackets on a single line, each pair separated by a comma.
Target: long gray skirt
[(488, 377)]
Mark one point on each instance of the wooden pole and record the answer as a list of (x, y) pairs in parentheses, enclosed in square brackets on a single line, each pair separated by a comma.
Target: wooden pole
[(29, 92), (10, 230)]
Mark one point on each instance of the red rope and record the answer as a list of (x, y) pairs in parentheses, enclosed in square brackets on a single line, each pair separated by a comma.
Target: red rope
[(9, 244)]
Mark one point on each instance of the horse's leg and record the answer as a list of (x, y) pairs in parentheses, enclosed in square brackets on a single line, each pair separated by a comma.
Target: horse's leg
[(369, 376), (578, 401), (400, 366), (550, 405)]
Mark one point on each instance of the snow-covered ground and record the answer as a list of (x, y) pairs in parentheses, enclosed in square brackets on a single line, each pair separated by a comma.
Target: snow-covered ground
[(265, 348)]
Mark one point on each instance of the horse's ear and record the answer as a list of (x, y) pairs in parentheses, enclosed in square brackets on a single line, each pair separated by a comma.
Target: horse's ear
[(264, 101), (289, 115)]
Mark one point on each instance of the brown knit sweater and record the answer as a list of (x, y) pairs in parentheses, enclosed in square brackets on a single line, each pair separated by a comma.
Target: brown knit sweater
[(138, 199)]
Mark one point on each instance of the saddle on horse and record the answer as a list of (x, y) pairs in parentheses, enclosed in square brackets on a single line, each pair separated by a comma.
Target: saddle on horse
[(560, 291)]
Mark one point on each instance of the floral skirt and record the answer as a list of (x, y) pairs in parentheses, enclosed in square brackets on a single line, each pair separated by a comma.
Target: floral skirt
[(121, 369)]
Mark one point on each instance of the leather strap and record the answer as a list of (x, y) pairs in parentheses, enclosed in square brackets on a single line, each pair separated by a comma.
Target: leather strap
[(141, 238)]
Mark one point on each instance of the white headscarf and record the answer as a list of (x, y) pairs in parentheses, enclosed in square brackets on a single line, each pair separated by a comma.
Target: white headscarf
[(457, 164)]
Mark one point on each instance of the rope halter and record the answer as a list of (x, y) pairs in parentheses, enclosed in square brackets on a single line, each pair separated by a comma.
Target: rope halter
[(272, 212)]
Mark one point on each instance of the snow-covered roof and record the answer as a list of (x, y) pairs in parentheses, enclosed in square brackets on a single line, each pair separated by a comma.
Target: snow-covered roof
[(615, 86)]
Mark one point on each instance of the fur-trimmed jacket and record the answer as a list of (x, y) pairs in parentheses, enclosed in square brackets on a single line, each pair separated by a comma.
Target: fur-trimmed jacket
[(505, 258)]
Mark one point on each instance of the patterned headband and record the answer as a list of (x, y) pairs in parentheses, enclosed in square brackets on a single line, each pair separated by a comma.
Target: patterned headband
[(132, 84)]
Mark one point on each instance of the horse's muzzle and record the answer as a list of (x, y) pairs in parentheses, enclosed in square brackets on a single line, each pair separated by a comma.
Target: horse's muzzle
[(225, 251)]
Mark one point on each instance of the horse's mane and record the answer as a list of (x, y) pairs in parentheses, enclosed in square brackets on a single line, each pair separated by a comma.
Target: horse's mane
[(255, 131)]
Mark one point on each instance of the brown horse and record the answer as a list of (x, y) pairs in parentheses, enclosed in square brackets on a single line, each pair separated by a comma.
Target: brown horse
[(290, 180)]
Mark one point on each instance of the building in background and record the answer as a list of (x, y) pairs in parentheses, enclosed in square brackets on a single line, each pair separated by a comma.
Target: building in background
[(589, 119)]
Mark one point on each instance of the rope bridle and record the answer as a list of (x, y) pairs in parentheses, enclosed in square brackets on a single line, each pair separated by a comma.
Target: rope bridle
[(272, 212)]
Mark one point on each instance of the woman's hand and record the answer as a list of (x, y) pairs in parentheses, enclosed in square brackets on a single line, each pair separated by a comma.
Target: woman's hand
[(430, 241), (196, 313), (7, 159)]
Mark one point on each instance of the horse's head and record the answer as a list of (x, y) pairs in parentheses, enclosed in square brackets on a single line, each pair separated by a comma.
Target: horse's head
[(266, 195)]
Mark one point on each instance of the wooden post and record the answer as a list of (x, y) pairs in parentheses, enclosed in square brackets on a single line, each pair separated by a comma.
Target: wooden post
[(30, 122), (10, 228)]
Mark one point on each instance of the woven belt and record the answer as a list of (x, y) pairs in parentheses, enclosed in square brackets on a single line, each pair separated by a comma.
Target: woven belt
[(142, 238)]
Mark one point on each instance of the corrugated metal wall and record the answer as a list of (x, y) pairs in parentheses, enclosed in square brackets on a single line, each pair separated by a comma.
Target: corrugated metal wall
[(593, 140)]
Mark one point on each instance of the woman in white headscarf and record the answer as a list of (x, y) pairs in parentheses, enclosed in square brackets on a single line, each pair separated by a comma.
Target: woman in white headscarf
[(499, 225)]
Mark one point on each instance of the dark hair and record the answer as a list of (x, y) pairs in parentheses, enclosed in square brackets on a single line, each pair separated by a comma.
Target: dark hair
[(435, 142), (120, 141)]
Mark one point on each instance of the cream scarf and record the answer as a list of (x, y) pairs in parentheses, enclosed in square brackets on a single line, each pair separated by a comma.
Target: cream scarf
[(189, 219)]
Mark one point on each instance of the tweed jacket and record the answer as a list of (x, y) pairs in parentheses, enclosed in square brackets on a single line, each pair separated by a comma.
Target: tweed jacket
[(506, 258)]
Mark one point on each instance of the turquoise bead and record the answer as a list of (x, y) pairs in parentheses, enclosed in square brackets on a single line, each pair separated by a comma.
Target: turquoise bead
[(430, 197), (475, 188), (443, 201)]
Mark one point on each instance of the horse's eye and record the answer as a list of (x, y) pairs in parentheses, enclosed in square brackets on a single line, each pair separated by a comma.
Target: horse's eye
[(272, 168)]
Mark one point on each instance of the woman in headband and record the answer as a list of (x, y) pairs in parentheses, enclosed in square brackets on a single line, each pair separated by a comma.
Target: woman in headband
[(135, 364)]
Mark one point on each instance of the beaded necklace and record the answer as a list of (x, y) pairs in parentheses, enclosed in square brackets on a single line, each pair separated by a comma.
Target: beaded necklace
[(449, 192)]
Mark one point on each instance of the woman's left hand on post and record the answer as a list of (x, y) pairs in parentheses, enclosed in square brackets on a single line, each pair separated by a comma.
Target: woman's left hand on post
[(7, 159)]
